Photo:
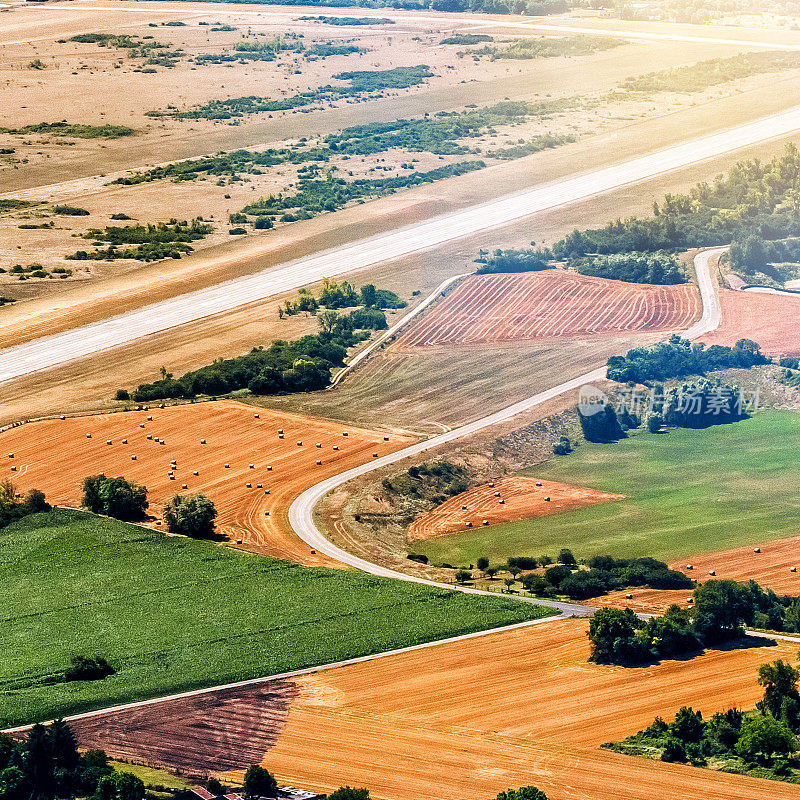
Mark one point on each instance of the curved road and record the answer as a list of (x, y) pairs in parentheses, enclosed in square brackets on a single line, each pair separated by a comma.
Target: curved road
[(301, 512), (50, 351)]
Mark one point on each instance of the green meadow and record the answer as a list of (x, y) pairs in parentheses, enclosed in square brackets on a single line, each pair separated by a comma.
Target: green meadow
[(686, 492), (171, 614)]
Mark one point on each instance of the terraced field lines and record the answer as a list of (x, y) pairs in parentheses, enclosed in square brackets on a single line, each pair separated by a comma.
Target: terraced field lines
[(550, 304)]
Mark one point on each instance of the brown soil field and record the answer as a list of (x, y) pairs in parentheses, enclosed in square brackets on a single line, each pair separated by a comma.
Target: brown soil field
[(771, 320), (550, 304), (463, 721), (252, 502), (522, 498)]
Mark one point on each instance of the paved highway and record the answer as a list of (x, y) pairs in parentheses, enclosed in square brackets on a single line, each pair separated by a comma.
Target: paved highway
[(48, 352), (301, 512)]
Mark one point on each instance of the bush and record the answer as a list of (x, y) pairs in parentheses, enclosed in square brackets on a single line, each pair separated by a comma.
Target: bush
[(115, 497), (557, 574), (190, 516), (122, 394), (84, 668), (258, 782), (348, 793)]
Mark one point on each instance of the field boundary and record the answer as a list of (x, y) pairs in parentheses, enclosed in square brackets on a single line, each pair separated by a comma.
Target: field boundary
[(291, 674)]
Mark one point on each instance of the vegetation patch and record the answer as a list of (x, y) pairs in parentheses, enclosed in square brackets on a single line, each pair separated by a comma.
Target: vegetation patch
[(701, 76), (151, 242), (355, 84), (754, 198), (467, 39), (679, 357), (172, 614), (549, 47), (301, 365), (762, 743), (73, 130), (349, 20)]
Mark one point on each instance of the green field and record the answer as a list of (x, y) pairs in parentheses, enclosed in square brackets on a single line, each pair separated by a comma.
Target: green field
[(171, 613), (687, 492)]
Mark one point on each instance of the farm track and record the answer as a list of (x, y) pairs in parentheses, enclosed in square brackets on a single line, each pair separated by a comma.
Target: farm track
[(550, 304)]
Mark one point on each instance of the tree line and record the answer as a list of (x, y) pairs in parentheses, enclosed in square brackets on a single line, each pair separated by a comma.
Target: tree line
[(719, 613), (299, 365), (753, 198), (763, 741)]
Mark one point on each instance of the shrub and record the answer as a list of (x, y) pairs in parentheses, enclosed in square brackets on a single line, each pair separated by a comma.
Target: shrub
[(190, 516), (115, 497)]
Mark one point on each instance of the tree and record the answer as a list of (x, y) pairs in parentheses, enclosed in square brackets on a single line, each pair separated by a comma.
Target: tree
[(655, 422), (463, 575), (720, 607), (38, 766), (190, 516), (763, 737), (369, 295), (565, 557), (482, 563), (523, 793), (348, 793), (491, 572), (781, 698), (120, 786), (688, 726), (327, 319), (610, 631), (602, 426), (13, 785), (114, 497), (258, 782)]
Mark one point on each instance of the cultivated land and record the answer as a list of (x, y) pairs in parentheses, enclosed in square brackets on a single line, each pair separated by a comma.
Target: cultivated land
[(468, 720), (56, 455), (686, 492), (485, 309), (171, 614), (504, 500), (769, 319)]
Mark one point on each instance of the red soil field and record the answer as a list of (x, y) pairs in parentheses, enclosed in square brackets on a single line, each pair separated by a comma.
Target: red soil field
[(522, 498), (549, 304), (56, 455), (463, 721), (771, 320)]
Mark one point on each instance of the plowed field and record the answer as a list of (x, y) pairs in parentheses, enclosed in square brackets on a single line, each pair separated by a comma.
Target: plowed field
[(504, 500), (550, 304), (245, 467), (772, 320)]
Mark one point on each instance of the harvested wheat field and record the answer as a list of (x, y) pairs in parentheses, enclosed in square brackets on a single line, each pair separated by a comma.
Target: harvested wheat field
[(772, 320), (463, 721), (504, 500), (771, 566), (250, 470), (550, 304)]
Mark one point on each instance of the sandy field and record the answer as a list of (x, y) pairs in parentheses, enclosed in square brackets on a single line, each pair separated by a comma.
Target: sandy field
[(505, 499), (102, 85), (464, 721), (250, 472), (771, 320), (485, 309)]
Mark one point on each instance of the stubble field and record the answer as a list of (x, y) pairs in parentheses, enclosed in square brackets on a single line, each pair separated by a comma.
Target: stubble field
[(252, 501), (470, 719)]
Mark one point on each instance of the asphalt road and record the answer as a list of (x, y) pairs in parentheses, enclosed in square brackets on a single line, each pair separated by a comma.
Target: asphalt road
[(301, 512), (50, 351)]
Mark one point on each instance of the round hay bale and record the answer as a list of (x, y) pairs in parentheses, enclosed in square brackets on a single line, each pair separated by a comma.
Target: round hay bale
[(133, 458), (202, 441), (319, 463)]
